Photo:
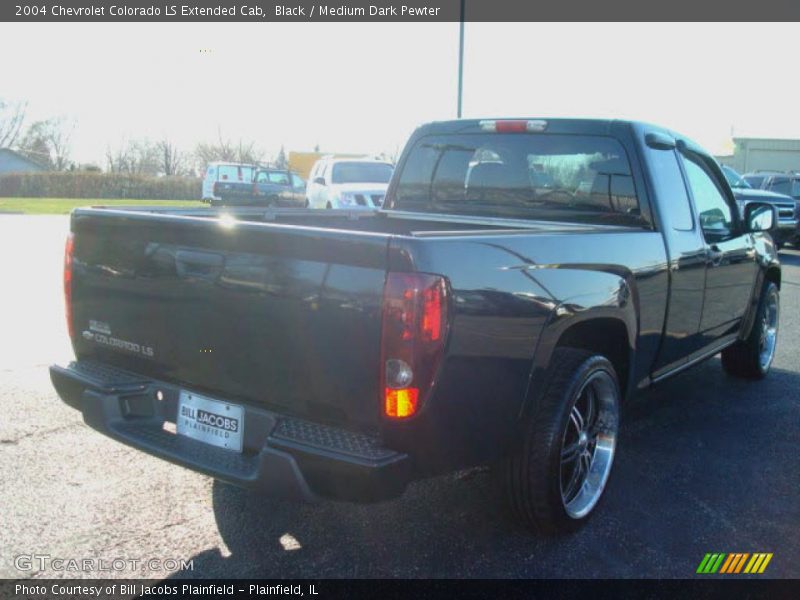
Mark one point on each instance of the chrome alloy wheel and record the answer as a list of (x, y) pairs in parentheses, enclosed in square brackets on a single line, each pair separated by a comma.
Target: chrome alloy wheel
[(769, 330), (587, 448)]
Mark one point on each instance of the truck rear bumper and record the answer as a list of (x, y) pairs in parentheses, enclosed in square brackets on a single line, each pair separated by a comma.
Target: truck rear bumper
[(282, 456)]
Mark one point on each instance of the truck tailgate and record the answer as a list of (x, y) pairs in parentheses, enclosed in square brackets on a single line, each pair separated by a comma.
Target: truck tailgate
[(280, 316)]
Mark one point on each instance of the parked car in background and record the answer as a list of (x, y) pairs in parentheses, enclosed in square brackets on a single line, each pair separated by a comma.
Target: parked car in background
[(269, 187), (775, 181), (348, 183), (786, 229), (225, 172), (488, 314)]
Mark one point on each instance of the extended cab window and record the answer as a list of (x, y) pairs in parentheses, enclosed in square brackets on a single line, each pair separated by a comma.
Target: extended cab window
[(521, 176), (713, 211), (672, 193)]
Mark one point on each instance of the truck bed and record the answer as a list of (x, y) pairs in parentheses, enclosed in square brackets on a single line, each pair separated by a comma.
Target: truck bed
[(279, 308)]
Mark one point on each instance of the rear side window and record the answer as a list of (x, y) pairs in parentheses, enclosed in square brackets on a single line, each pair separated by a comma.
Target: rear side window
[(671, 190), (235, 173), (277, 177), (521, 176)]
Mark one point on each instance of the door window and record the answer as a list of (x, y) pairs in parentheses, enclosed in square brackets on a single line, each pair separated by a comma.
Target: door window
[(713, 211)]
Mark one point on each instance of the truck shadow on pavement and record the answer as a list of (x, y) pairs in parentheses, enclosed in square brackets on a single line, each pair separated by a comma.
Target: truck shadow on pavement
[(698, 458)]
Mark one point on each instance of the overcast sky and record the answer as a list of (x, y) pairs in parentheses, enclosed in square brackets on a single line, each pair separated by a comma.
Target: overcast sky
[(364, 87)]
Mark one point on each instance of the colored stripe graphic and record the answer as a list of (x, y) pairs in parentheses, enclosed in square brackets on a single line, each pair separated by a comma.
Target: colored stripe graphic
[(734, 563), (758, 563), (723, 563), (711, 563)]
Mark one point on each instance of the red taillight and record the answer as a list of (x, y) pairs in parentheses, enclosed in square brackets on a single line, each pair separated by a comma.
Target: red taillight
[(68, 252), (412, 339), (513, 126)]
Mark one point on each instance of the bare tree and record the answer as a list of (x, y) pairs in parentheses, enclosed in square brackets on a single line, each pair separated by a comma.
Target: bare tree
[(224, 149), (12, 116), (48, 142), (281, 162), (134, 157), (117, 158), (173, 161)]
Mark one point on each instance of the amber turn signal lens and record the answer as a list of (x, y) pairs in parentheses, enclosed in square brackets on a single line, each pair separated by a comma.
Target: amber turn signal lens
[(401, 403)]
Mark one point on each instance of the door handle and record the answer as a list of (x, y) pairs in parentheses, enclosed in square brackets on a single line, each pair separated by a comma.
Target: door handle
[(714, 255)]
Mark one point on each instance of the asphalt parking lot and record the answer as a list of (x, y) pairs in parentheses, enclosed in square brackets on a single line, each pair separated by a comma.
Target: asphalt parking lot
[(706, 463)]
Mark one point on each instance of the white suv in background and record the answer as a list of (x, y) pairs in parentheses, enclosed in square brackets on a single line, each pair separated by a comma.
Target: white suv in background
[(349, 183)]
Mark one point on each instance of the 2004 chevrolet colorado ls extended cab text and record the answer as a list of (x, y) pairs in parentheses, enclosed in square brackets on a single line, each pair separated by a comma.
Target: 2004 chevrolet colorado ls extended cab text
[(523, 279)]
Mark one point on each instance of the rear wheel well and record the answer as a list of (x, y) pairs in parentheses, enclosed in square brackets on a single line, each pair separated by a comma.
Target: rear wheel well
[(605, 336)]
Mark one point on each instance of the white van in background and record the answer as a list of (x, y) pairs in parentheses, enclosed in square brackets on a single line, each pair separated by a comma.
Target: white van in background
[(225, 171)]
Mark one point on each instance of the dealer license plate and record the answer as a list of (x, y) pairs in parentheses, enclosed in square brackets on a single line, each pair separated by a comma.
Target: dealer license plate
[(211, 421)]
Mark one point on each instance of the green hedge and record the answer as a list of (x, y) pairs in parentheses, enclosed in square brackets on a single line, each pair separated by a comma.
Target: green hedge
[(83, 184)]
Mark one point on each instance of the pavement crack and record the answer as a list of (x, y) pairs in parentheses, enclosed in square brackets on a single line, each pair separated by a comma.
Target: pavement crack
[(38, 432)]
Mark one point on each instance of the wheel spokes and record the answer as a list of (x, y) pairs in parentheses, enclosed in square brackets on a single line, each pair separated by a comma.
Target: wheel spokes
[(585, 459), (570, 453), (577, 419), (574, 480)]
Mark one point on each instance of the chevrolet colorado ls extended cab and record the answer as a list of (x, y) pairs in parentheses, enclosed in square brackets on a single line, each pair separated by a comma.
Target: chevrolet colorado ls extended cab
[(523, 279)]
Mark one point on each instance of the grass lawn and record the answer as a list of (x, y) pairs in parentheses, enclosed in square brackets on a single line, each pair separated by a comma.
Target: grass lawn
[(63, 206)]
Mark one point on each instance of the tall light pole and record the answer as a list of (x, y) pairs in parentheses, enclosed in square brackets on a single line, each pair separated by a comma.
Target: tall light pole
[(460, 59)]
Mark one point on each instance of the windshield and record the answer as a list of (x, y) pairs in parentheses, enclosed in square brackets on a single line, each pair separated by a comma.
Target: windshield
[(361, 172), (734, 179), (575, 178), (795, 188), (754, 181)]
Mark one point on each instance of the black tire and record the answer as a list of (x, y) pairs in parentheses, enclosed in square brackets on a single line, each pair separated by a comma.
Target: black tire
[(534, 473), (744, 359)]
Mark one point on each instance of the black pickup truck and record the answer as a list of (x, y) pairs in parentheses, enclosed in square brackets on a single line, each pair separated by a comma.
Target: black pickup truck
[(270, 187), (524, 279)]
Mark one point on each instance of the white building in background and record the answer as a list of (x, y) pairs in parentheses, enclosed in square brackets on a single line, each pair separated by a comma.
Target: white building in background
[(763, 154)]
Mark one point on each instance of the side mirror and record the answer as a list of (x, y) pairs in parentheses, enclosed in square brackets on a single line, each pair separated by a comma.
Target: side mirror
[(319, 180), (759, 216)]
